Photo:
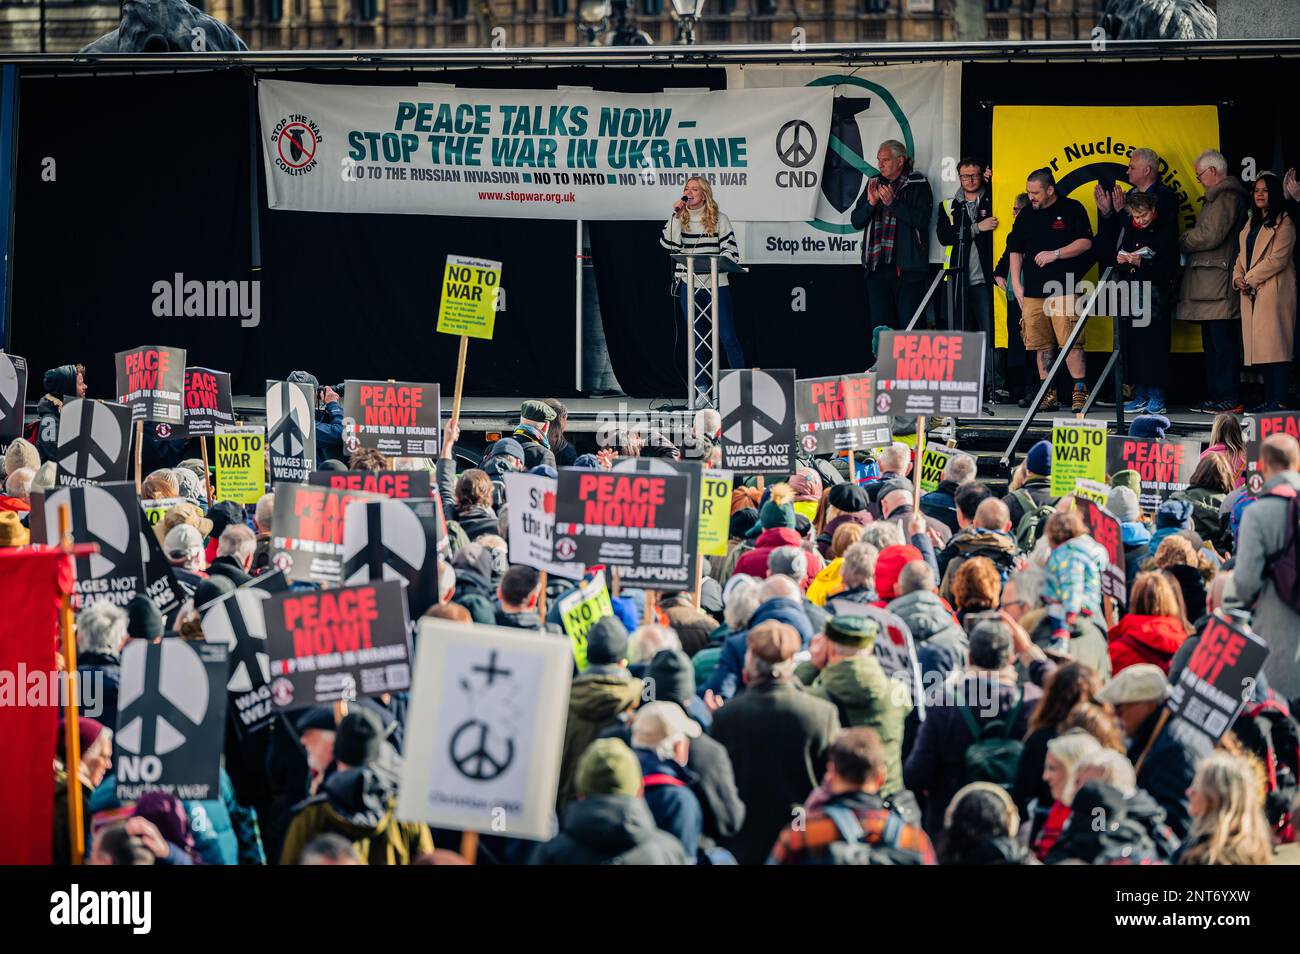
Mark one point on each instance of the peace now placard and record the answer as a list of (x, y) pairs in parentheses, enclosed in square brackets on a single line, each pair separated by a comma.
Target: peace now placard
[(927, 373), (151, 381)]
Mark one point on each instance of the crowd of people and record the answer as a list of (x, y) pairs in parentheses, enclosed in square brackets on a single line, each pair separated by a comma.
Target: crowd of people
[(766, 717), (1233, 273)]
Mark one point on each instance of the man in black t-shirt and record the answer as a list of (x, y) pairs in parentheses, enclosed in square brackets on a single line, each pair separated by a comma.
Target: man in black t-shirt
[(1050, 246)]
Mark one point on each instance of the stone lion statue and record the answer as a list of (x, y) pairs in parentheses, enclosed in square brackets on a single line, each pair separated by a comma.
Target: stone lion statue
[(166, 26), (1159, 20)]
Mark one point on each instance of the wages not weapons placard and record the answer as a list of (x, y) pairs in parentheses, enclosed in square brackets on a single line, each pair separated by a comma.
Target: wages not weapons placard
[(330, 645), (398, 484), (1219, 676), (541, 153), (241, 463), (398, 418), (1165, 466), (471, 295), (208, 403), (838, 413), (105, 514), (171, 717), (236, 622), (758, 421), (291, 430), (1078, 450), (94, 443), (307, 543), (532, 525), (1105, 529), (636, 521), (13, 395), (151, 381), (928, 373)]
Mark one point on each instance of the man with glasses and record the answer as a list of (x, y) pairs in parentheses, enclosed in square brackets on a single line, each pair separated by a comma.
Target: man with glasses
[(1207, 296), (966, 225)]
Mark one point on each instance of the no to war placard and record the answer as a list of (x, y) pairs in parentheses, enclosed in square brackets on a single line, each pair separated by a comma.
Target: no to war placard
[(241, 464), (471, 292), (715, 512), (934, 458), (1078, 450), (579, 609)]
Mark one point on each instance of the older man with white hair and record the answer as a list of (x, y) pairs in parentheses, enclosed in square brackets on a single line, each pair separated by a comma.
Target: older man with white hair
[(941, 503), (263, 514), (895, 463), (1207, 296), (101, 634), (661, 739), (235, 549), (781, 600), (18, 492)]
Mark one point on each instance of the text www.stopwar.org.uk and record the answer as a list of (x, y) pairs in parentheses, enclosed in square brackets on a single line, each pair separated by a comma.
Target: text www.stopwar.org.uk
[(557, 197), (1203, 921)]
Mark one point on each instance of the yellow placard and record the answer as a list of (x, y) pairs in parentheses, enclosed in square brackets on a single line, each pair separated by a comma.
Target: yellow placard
[(715, 512), (241, 464), (471, 293), (934, 458), (1093, 490), (579, 609), (1082, 144), (154, 510), (1078, 450)]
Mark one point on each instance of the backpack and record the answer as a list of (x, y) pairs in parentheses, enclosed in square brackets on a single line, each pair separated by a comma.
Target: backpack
[(994, 755), (1269, 731), (853, 847), (1026, 532), (1284, 567)]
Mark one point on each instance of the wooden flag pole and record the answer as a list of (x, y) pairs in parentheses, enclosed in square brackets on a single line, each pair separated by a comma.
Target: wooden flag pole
[(699, 578), (139, 450), (916, 468), (207, 470), (469, 846), (460, 383), (613, 573), (541, 595), (71, 732), (651, 603), (340, 711)]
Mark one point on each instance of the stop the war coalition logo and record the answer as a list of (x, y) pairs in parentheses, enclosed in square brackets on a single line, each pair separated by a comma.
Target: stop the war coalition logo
[(295, 139)]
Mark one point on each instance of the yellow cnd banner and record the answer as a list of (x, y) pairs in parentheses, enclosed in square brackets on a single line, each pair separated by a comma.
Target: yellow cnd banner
[(1082, 144)]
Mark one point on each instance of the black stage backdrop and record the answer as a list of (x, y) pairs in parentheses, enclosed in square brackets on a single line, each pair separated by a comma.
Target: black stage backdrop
[(152, 178)]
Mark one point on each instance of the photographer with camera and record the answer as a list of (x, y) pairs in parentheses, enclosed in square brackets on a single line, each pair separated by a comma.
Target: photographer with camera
[(329, 418)]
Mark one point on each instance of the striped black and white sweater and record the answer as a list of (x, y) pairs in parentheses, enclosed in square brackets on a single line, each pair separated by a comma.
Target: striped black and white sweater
[(677, 239)]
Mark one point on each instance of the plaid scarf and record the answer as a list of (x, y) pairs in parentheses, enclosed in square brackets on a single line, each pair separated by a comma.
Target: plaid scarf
[(884, 229)]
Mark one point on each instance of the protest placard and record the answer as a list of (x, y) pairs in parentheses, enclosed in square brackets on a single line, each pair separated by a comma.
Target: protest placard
[(1257, 428), (690, 545), (337, 644), (160, 581), (398, 484), (532, 525), (307, 543), (839, 413), (171, 715), (634, 520), (155, 510), (94, 443), (241, 464), (105, 514), (291, 430), (470, 293), (13, 397), (928, 373), (485, 731), (580, 608), (208, 403), (390, 539), (236, 621), (1219, 676), (715, 512), (1164, 466), (1105, 529), (397, 418), (1078, 450), (1094, 490), (934, 458), (151, 382), (758, 421)]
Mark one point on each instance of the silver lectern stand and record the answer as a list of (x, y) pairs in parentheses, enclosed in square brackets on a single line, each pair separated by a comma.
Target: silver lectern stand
[(702, 343)]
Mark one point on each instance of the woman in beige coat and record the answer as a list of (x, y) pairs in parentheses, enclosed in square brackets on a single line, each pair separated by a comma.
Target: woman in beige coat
[(1265, 276)]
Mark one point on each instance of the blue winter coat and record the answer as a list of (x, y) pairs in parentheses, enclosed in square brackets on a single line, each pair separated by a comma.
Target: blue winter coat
[(329, 433), (675, 808)]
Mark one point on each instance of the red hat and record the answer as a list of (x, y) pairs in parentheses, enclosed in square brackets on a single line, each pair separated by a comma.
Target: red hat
[(890, 564)]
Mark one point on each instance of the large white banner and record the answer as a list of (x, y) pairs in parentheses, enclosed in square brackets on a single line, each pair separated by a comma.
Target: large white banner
[(550, 154), (919, 106)]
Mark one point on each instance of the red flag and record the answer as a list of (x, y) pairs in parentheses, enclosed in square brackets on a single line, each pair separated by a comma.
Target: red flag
[(32, 583)]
